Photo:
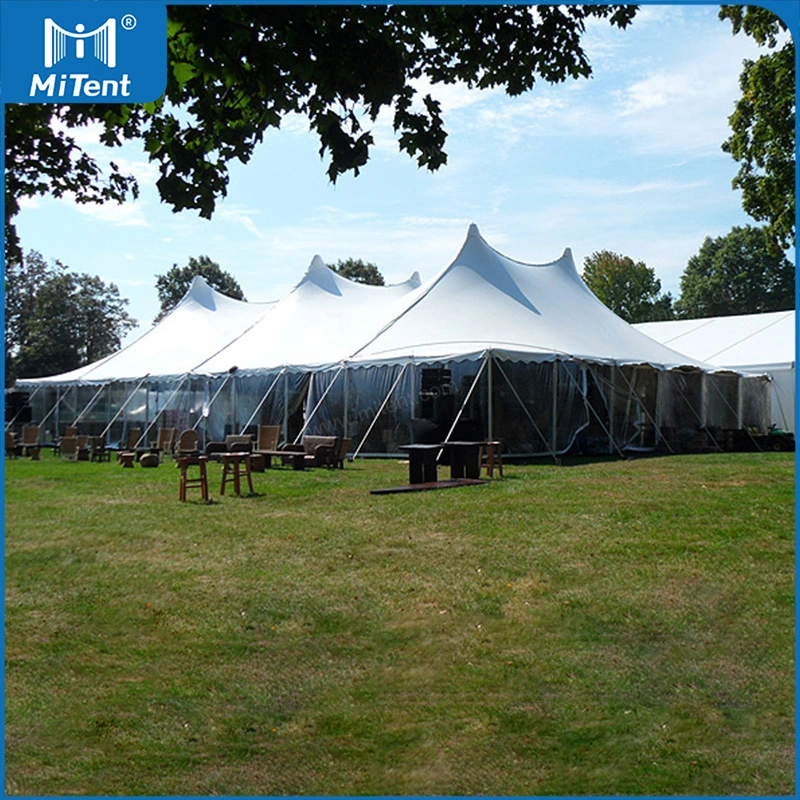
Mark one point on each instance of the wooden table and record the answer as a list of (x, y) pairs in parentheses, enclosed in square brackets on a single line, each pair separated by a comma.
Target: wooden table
[(297, 458), (465, 459), (422, 466), (231, 463)]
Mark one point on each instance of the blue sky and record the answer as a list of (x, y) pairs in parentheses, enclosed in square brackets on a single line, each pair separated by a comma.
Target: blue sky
[(628, 161)]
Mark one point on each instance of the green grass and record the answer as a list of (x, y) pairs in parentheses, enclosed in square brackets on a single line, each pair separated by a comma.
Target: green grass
[(617, 627)]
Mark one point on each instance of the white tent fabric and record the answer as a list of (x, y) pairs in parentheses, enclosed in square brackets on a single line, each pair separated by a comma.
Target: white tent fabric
[(750, 343), (321, 321), (487, 301), (202, 323)]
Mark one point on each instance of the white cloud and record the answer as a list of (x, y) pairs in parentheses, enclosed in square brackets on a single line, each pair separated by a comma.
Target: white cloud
[(241, 216)]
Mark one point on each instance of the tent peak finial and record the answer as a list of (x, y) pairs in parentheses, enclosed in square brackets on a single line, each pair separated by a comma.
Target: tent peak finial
[(473, 230), (317, 263)]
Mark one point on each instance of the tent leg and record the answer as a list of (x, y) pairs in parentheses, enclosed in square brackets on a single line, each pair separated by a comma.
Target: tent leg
[(556, 368), (285, 406), (489, 399), (346, 393)]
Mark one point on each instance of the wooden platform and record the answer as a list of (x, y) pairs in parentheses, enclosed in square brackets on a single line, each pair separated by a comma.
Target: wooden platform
[(428, 486)]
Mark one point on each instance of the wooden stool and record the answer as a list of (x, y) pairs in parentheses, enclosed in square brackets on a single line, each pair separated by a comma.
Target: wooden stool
[(491, 456), (127, 458), (230, 471), (197, 482)]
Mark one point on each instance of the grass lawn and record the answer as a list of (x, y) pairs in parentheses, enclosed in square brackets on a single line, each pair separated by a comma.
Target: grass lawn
[(607, 627)]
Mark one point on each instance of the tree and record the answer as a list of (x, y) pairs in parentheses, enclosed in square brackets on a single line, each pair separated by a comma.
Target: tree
[(57, 320), (763, 125), (174, 284), (736, 274), (359, 271), (235, 72), (630, 289)]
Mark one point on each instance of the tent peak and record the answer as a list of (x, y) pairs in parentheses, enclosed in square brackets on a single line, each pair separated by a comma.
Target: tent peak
[(473, 230)]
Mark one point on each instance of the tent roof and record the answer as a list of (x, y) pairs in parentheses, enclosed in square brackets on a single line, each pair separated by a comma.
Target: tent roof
[(482, 301), (750, 342), (487, 301), (322, 320), (203, 322)]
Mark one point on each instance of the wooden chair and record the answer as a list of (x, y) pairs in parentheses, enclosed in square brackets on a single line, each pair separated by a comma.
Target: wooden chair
[(69, 448), (268, 437), (187, 481), (13, 448), (30, 441), (344, 446), (188, 442), (134, 434), (491, 457), (166, 440), (97, 449)]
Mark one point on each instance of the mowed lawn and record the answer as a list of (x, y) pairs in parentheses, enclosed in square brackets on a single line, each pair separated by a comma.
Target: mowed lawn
[(598, 628)]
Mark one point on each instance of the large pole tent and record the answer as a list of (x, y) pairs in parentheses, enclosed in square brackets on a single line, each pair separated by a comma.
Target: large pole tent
[(488, 348)]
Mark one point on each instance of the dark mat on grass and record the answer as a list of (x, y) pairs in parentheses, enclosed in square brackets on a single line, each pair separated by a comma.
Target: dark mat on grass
[(424, 487)]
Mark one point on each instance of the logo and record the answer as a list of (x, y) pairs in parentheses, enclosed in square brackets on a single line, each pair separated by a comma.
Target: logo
[(104, 40), (93, 52)]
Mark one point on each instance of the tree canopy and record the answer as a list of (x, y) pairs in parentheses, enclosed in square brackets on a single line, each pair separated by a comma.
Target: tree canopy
[(57, 320), (359, 271), (234, 72), (630, 289), (736, 274), (174, 284), (763, 125)]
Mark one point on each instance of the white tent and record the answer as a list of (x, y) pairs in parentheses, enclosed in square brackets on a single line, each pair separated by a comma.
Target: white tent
[(490, 348), (751, 343)]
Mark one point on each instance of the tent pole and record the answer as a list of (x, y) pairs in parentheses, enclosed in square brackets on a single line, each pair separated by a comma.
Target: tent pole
[(122, 407), (346, 393), (644, 408), (59, 398), (14, 418), (489, 403), (694, 410), (89, 404), (527, 413), (262, 401), (285, 406), (211, 402), (598, 418), (163, 408), (380, 411), (316, 407), (554, 423), (463, 405), (611, 401)]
